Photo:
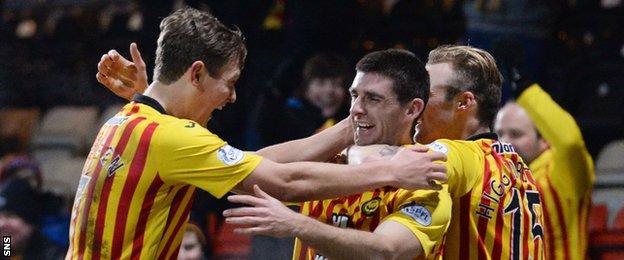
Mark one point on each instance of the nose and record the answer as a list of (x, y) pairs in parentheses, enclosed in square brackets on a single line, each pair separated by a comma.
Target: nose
[(356, 107)]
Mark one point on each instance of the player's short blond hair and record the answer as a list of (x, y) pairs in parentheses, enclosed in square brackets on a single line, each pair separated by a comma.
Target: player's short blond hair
[(475, 71)]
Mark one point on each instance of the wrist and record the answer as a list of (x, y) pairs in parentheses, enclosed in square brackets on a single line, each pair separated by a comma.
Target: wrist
[(382, 172), (300, 225)]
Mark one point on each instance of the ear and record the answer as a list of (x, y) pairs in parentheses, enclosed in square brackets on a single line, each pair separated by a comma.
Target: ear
[(543, 144), (465, 100), (415, 108), (197, 73)]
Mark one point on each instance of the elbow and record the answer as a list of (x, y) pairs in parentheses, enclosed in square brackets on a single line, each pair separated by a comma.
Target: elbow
[(390, 251)]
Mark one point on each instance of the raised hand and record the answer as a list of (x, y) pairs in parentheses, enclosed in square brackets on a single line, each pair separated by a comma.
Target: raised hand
[(121, 76), (267, 216), (416, 168)]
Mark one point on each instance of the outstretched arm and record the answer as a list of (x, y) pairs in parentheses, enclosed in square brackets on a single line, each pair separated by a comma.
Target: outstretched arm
[(121, 76), (411, 169), (319, 147), (390, 240), (560, 130)]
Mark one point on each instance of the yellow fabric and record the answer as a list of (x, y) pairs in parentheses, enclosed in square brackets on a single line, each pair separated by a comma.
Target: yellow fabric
[(367, 210), (565, 174), (138, 182), (493, 196)]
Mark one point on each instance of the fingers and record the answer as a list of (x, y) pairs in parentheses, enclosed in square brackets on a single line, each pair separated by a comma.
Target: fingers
[(247, 220), (437, 156), (243, 211), (246, 199), (433, 185), (136, 56), (113, 55), (438, 176), (253, 231), (419, 148)]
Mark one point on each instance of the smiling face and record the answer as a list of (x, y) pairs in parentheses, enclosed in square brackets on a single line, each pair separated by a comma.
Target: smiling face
[(216, 92), (376, 114)]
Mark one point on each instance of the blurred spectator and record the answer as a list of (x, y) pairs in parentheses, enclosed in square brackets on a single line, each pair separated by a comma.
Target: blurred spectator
[(319, 103), (21, 210), (193, 243)]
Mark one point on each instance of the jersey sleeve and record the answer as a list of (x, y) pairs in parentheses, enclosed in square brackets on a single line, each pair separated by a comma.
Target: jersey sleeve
[(463, 164), (560, 130), (426, 213), (193, 155)]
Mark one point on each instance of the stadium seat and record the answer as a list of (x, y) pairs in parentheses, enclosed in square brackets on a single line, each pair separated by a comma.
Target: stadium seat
[(108, 112), (61, 173), (66, 127), (598, 217), (228, 245), (609, 159), (19, 123), (618, 224)]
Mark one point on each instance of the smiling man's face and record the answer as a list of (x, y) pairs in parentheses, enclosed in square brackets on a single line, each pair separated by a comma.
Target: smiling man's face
[(376, 114)]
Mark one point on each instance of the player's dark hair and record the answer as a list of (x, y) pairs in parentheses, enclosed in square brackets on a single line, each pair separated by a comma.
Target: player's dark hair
[(408, 74), (188, 35)]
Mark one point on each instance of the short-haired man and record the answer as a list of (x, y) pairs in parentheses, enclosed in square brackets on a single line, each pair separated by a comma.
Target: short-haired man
[(550, 141), (138, 181), (388, 94), (496, 211)]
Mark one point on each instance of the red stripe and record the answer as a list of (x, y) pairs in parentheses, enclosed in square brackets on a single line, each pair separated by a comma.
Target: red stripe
[(134, 175), (105, 193), (464, 225), (134, 110), (482, 222), (176, 229), (89, 196), (304, 250), (500, 222), (536, 249), (525, 235), (330, 209), (146, 208), (175, 206), (562, 224)]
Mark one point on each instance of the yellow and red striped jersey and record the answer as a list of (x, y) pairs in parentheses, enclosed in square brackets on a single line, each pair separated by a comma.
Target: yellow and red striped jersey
[(138, 183), (425, 213), (564, 173), (496, 204)]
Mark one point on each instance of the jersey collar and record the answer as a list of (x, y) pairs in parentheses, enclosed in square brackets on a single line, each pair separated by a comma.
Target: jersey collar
[(489, 135), (143, 99)]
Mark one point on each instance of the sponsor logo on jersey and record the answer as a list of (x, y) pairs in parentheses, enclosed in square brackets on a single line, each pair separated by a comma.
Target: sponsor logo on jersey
[(417, 212), (371, 207), (229, 155), (503, 147), (118, 120), (438, 147)]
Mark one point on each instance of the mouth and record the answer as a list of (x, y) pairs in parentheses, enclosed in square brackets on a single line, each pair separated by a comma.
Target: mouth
[(362, 127)]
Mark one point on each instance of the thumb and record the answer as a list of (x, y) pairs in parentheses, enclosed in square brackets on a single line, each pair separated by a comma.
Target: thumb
[(136, 55), (419, 148), (260, 193)]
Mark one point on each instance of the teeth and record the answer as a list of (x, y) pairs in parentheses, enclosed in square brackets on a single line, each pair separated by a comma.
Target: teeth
[(364, 125)]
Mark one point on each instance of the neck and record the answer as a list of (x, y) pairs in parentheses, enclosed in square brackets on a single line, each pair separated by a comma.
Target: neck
[(474, 129), (170, 100)]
